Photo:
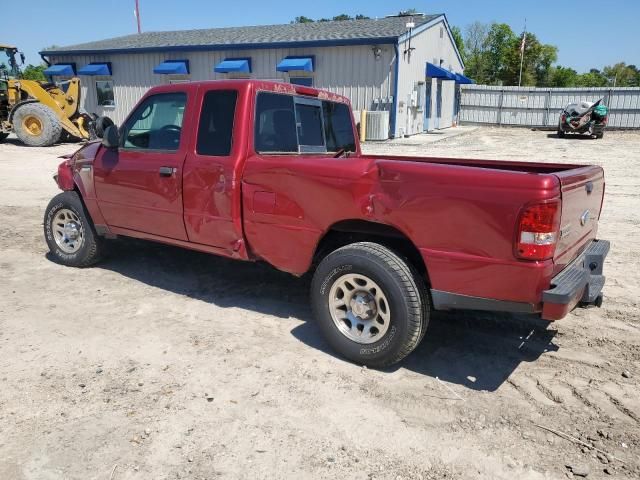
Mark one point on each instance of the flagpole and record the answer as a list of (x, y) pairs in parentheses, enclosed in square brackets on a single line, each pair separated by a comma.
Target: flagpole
[(137, 12), (524, 39)]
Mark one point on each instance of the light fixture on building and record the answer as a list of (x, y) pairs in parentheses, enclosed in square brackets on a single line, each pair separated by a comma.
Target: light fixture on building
[(377, 51), (410, 26)]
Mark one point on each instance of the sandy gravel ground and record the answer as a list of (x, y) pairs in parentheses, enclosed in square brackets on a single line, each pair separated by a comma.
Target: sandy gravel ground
[(163, 364)]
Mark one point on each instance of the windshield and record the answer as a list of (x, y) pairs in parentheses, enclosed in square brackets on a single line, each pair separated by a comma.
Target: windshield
[(7, 64)]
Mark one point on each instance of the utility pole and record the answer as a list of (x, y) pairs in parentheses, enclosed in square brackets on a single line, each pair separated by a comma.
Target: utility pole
[(524, 41), (136, 12)]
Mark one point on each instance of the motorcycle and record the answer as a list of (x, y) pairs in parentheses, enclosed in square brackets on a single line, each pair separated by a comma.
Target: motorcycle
[(584, 117)]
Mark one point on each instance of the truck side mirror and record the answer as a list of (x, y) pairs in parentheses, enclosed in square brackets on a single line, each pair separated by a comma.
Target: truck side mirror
[(111, 138)]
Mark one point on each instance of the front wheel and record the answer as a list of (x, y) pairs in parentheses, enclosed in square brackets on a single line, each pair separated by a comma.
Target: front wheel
[(69, 232), (370, 305)]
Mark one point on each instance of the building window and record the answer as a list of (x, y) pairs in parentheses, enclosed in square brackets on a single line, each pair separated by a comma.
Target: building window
[(104, 93), (175, 80), (305, 81)]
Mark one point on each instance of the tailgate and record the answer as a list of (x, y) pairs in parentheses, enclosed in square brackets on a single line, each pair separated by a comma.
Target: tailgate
[(582, 191)]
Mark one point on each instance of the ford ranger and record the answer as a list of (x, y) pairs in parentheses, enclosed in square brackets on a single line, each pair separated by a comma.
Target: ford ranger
[(265, 171)]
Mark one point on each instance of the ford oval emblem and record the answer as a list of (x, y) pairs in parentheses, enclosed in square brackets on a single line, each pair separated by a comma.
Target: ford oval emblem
[(584, 218)]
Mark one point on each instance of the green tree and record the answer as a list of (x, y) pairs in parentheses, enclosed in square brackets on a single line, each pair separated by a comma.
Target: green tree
[(338, 18), (34, 72), (500, 44), (475, 43), (593, 78), (457, 37), (408, 12), (621, 75), (303, 19), (562, 77)]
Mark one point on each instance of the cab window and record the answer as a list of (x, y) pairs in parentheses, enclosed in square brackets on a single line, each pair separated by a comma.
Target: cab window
[(157, 123), (292, 124), (215, 129)]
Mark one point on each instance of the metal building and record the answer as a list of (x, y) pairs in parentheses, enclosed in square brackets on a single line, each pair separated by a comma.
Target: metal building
[(406, 66)]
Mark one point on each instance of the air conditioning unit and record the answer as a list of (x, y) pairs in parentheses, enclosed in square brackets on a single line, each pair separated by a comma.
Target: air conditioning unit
[(377, 125)]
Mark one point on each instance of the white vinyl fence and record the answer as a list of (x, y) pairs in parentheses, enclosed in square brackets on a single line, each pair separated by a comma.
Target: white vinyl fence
[(541, 107)]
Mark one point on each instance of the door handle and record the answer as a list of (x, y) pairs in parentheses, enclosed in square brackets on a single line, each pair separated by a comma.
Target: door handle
[(166, 171)]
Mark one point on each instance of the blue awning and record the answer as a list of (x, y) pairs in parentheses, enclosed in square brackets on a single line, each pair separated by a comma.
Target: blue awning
[(96, 69), (60, 69), (433, 71), (304, 64), (234, 65), (173, 67), (462, 79)]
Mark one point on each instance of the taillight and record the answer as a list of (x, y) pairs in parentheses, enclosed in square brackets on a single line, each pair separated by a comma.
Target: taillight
[(538, 230)]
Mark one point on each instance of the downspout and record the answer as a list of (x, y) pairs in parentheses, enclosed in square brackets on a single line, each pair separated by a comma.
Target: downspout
[(394, 105)]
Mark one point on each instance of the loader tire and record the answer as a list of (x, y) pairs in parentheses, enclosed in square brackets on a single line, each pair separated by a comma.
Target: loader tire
[(36, 125)]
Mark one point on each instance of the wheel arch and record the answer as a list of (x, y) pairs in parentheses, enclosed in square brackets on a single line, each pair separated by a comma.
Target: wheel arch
[(18, 105), (345, 232)]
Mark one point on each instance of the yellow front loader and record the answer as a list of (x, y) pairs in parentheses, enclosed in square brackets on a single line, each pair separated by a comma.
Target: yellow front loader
[(39, 113)]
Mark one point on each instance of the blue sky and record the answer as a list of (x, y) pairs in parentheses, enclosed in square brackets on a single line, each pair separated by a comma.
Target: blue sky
[(589, 33)]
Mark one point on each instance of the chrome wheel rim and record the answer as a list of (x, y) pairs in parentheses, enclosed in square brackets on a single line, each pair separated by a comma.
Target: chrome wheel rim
[(359, 308), (67, 230)]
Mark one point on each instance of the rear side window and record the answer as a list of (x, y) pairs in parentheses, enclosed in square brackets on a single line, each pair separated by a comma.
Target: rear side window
[(309, 126), (338, 127), (215, 129), (275, 124), (292, 124)]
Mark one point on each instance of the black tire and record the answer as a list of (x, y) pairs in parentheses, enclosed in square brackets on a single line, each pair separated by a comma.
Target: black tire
[(91, 245), (560, 134), (66, 137), (3, 136), (49, 128), (403, 288)]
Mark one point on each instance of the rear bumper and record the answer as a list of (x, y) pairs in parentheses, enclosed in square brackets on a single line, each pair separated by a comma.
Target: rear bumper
[(579, 283)]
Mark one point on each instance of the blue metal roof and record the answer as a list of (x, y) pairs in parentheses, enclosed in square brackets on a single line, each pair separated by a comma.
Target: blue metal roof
[(234, 65), (173, 67), (60, 69), (303, 64), (462, 79), (96, 69), (433, 71)]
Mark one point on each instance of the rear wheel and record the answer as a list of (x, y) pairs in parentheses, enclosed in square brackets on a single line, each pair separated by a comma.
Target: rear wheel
[(36, 125), (370, 304), (69, 232)]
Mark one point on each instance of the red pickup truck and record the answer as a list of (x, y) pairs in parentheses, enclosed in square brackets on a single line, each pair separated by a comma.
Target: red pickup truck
[(265, 171)]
